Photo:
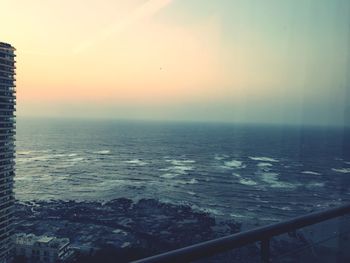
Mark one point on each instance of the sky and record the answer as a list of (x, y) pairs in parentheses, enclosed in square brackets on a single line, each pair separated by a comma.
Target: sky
[(265, 61)]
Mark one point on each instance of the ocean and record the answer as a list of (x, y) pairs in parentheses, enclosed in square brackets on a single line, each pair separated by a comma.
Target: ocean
[(250, 173)]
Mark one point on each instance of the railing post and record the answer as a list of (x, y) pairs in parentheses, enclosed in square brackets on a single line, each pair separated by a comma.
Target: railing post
[(265, 250)]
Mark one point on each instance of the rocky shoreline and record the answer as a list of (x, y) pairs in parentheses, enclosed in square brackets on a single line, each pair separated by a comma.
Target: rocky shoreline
[(147, 225), (128, 230)]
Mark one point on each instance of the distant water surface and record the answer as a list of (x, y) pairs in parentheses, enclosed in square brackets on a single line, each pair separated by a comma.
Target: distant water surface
[(245, 172)]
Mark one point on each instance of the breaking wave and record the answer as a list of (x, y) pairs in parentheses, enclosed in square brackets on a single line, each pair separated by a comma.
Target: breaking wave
[(234, 164), (247, 182), (136, 162), (310, 172), (264, 159), (341, 170)]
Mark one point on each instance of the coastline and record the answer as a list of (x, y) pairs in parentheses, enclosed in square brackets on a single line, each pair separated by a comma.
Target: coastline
[(147, 225)]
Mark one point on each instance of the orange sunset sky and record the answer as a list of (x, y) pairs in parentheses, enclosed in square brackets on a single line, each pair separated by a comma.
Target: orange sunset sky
[(235, 60)]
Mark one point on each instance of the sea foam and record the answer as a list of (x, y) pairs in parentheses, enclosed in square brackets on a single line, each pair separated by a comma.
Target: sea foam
[(178, 167), (264, 159), (220, 157), (273, 181), (341, 170), (264, 165), (234, 164), (310, 172), (136, 162), (247, 182)]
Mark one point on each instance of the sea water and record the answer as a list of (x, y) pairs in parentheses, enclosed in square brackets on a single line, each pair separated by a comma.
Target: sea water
[(245, 172)]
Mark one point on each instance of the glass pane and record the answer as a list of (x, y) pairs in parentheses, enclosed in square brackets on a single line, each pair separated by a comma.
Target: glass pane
[(325, 242)]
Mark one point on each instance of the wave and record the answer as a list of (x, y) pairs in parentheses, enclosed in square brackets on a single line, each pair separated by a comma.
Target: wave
[(234, 215), (175, 171), (136, 162), (208, 210), (78, 159), (24, 152), (341, 170), (28, 152), (234, 164), (247, 182), (315, 184), (264, 159), (273, 181), (179, 170), (237, 175), (48, 157), (180, 162), (192, 181), (310, 172), (102, 152), (220, 157), (40, 158), (264, 165), (178, 167), (168, 175), (57, 155)]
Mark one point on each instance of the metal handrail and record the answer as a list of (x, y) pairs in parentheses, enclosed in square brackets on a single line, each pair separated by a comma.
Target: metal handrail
[(262, 234)]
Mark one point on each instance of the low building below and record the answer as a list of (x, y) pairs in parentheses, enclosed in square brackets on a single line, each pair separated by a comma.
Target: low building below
[(42, 249)]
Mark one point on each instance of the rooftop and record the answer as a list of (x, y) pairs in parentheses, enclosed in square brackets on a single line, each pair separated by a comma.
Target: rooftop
[(6, 45)]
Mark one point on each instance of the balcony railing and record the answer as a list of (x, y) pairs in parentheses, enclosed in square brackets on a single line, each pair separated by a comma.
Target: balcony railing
[(263, 235)]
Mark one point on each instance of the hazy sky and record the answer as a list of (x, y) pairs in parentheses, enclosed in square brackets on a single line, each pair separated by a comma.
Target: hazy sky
[(234, 60)]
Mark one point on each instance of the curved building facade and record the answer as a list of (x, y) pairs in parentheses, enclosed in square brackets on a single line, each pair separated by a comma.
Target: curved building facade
[(7, 148)]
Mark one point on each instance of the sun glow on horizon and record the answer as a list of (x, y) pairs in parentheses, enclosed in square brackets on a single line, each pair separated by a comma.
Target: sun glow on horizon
[(133, 58)]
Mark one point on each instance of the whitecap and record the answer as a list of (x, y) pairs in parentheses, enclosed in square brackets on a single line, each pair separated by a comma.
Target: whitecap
[(119, 231), (234, 164), (168, 175), (57, 155), (264, 159), (191, 193), (193, 181), (179, 167), (247, 182), (125, 245), (237, 215), (315, 184), (236, 175), (136, 162), (264, 165), (267, 177), (286, 208), (78, 159), (212, 211), (273, 181), (180, 162), (220, 157), (347, 162), (310, 172), (341, 170)]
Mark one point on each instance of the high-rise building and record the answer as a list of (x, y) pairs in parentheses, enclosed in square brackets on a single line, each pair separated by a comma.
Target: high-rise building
[(7, 148)]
